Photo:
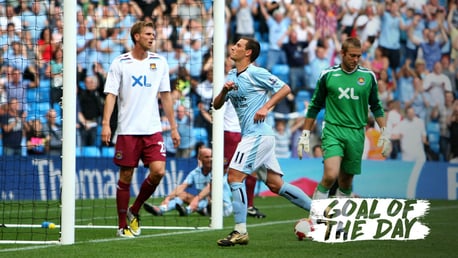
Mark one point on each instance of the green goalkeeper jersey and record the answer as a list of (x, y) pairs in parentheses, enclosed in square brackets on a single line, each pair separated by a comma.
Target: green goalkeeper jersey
[(347, 97)]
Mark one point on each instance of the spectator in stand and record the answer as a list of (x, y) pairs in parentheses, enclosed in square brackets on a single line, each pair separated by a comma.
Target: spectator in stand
[(412, 134), (175, 58), (109, 46), (32, 19), (53, 130), (371, 21), (203, 119), (304, 30), (318, 64), (13, 126), (389, 78), (91, 109), (10, 17), (45, 45), (405, 77), (351, 10), (278, 25), (16, 56), (452, 20), (420, 101), (190, 30), (440, 25), (185, 129), (416, 27), (56, 71), (452, 122), (295, 56), (195, 55), (16, 87), (37, 141), (431, 46), (420, 68), (372, 135), (283, 132), (390, 33), (384, 93), (129, 12), (244, 12), (450, 69), (436, 84), (192, 10), (83, 40), (393, 118), (444, 114), (148, 8), (317, 151), (8, 37), (327, 14), (379, 62)]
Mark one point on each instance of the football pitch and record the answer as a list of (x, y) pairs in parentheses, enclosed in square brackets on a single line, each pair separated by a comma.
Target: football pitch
[(269, 237)]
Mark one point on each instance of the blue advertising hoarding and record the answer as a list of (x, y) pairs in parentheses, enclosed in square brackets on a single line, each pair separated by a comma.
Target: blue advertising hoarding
[(27, 178)]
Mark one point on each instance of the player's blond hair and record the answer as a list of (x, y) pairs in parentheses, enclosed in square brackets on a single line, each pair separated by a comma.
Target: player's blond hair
[(351, 42), (138, 27)]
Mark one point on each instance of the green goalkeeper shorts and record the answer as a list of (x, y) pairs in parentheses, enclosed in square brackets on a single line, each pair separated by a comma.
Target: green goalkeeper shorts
[(345, 142)]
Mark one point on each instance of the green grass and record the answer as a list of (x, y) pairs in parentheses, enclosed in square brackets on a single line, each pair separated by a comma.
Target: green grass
[(269, 237)]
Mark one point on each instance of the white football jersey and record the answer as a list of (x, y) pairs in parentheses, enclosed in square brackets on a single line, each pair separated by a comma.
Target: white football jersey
[(137, 84)]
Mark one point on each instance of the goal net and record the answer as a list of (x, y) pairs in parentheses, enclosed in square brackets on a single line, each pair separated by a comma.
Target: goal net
[(35, 99)]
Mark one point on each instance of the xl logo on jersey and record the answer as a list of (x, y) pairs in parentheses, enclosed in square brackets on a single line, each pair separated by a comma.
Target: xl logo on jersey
[(140, 81), (348, 93)]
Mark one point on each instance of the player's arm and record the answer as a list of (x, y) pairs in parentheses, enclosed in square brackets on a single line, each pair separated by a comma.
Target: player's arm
[(220, 99), (176, 192), (201, 195), (167, 105), (108, 108), (379, 114), (261, 114), (316, 104)]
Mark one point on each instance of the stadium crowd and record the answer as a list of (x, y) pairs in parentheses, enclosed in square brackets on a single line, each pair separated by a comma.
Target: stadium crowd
[(410, 45)]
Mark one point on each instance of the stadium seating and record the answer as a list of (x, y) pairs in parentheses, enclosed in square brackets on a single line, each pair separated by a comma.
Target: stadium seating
[(108, 152), (200, 135), (433, 134), (281, 71), (88, 151), (261, 61), (301, 97)]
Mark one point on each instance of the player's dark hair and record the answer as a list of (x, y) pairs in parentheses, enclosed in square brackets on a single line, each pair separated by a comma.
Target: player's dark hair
[(351, 42), (254, 46), (138, 27)]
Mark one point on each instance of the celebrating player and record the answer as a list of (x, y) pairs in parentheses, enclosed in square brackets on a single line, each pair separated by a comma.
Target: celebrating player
[(247, 87)]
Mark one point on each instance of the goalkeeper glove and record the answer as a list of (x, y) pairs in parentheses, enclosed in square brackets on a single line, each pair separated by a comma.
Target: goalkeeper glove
[(304, 143), (385, 143)]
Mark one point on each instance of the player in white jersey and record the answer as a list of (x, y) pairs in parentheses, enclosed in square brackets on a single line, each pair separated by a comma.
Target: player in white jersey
[(135, 79), (248, 88)]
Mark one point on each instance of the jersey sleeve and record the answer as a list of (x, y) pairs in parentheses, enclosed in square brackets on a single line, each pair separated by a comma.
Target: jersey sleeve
[(319, 97), (189, 180), (164, 85), (267, 80), (113, 78)]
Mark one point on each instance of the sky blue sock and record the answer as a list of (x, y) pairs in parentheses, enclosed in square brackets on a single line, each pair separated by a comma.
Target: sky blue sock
[(295, 195), (173, 202), (239, 202)]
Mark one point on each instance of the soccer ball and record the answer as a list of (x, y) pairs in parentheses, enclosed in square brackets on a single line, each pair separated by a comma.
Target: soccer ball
[(302, 228)]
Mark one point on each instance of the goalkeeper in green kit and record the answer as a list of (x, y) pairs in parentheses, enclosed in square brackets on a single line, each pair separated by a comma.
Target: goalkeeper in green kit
[(347, 91)]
